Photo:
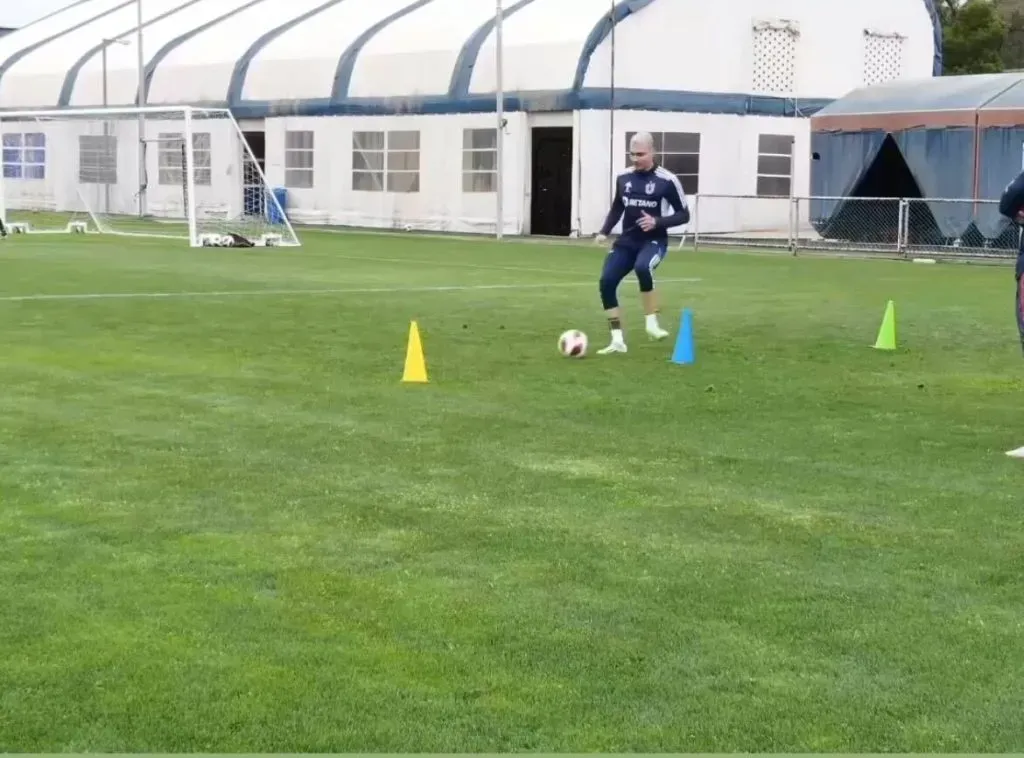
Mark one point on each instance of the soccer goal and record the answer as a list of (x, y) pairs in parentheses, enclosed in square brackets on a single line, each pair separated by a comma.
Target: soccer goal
[(178, 173)]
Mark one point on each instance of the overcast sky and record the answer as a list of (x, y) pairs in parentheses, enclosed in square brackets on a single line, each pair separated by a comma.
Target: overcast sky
[(20, 12)]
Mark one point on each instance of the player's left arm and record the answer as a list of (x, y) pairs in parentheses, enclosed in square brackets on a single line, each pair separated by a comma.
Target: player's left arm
[(677, 199)]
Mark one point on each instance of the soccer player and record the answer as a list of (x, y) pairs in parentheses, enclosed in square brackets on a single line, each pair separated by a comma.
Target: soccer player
[(1011, 205), (641, 196)]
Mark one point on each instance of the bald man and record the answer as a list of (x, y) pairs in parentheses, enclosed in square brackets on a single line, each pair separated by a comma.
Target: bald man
[(650, 200)]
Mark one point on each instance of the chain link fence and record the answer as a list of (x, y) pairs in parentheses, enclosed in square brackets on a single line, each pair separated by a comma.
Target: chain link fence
[(847, 224), (893, 227), (742, 221)]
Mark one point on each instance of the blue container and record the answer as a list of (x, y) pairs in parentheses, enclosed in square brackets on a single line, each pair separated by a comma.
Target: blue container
[(273, 214)]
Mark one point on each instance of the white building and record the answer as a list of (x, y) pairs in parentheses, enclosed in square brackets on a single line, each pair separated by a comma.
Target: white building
[(382, 112)]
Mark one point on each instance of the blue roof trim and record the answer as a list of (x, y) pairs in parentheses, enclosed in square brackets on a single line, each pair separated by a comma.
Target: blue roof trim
[(68, 88), (933, 13), (181, 39), (593, 98), (241, 70), (601, 31), (347, 61), (7, 64), (470, 52)]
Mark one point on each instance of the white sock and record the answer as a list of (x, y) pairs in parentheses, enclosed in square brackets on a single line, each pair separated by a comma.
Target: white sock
[(652, 321), (617, 336)]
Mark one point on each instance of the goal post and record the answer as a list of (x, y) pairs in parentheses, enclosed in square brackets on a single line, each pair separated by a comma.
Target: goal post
[(77, 171)]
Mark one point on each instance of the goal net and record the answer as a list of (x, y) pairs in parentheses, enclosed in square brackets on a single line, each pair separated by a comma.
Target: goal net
[(179, 173)]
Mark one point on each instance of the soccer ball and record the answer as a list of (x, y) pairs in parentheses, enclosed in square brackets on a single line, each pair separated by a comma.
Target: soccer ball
[(573, 344)]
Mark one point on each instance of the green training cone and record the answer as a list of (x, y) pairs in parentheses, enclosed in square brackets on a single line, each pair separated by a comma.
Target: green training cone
[(887, 334)]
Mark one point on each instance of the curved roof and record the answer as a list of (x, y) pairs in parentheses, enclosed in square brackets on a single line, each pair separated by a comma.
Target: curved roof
[(946, 101), (262, 57)]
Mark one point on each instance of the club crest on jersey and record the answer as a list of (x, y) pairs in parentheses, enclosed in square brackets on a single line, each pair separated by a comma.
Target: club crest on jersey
[(649, 188), (629, 187)]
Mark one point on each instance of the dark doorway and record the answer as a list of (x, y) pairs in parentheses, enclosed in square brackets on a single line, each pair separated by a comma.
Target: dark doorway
[(888, 175), (253, 192), (551, 197), (875, 218)]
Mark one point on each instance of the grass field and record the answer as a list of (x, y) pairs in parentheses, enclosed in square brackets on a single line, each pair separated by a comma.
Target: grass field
[(226, 525)]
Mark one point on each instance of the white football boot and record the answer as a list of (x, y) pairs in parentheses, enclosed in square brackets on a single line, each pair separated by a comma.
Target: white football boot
[(615, 346), (656, 332)]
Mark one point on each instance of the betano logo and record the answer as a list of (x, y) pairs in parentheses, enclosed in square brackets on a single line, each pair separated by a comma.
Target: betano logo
[(639, 202)]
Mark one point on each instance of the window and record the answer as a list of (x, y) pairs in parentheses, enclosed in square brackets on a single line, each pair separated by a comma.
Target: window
[(386, 161), (368, 161), (171, 159), (97, 159), (298, 160), (774, 71), (24, 156), (679, 152), (403, 161), (480, 160), (774, 165)]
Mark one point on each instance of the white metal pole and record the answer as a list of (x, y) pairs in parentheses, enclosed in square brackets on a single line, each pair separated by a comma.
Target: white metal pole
[(3, 192), (500, 99), (106, 128), (190, 181), (142, 102), (611, 104), (103, 59)]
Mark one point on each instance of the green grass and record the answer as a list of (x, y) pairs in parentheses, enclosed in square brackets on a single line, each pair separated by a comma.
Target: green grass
[(227, 526)]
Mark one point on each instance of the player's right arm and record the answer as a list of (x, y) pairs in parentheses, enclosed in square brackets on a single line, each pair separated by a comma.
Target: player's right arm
[(614, 213)]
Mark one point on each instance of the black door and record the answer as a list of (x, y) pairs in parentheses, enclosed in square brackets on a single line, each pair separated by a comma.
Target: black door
[(551, 199), (253, 193)]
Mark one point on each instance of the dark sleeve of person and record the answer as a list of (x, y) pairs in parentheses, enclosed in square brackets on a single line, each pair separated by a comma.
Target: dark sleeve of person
[(677, 199), (616, 211)]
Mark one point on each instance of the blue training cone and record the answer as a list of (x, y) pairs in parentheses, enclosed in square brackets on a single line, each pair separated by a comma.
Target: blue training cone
[(683, 353)]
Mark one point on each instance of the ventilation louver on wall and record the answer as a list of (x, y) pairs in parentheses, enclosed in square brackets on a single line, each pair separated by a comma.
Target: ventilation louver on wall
[(883, 57), (775, 57)]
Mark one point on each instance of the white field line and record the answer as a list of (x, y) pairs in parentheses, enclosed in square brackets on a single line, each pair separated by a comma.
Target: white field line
[(444, 264), (296, 292)]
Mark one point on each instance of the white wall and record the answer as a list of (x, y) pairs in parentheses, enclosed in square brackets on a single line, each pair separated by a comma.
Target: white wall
[(416, 54), (62, 191), (36, 80), (728, 166), (711, 44), (122, 59), (680, 45), (302, 61), (440, 204), (542, 44), (199, 70)]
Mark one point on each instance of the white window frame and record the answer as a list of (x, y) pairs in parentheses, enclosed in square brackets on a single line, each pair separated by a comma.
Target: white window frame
[(171, 172), (772, 152), (29, 149), (480, 161), (300, 159)]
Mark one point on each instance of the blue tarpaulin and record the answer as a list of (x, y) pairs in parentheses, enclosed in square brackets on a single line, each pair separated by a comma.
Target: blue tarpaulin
[(942, 163), (961, 137), (841, 161), (999, 161)]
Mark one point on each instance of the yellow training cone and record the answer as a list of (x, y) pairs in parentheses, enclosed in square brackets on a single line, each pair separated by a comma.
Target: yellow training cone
[(415, 364)]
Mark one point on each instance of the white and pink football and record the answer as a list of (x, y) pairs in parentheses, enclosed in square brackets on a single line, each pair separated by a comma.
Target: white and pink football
[(573, 344)]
